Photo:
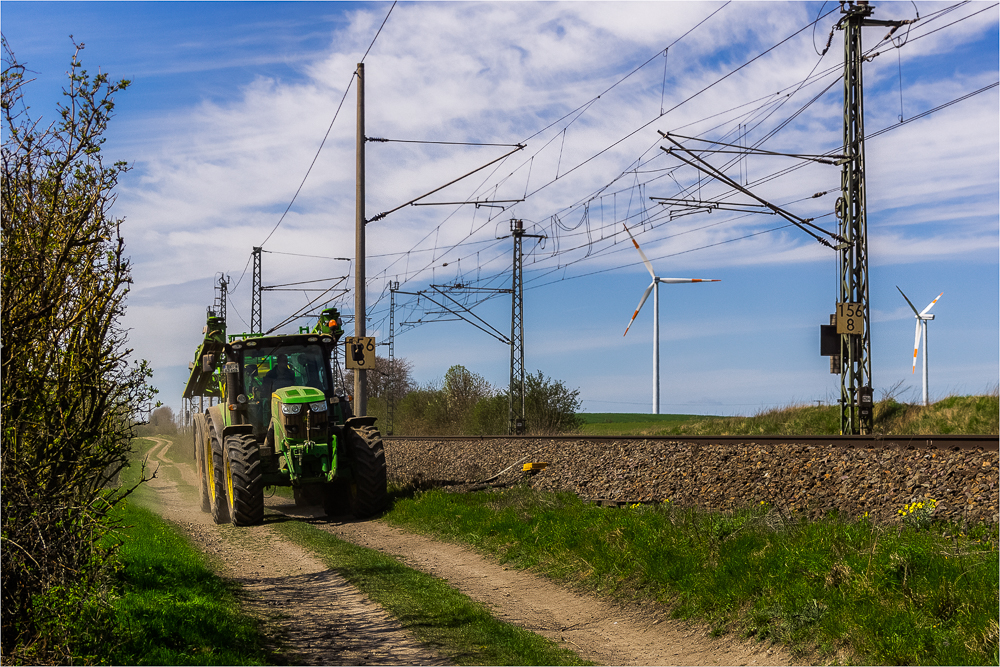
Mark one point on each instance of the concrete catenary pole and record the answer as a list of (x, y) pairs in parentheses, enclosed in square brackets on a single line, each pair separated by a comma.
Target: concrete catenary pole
[(360, 375)]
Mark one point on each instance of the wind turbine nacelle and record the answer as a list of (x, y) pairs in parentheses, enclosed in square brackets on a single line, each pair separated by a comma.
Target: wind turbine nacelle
[(927, 317)]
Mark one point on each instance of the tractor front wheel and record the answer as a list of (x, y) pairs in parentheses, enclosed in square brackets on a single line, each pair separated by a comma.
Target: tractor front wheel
[(366, 492), (215, 476), (244, 480)]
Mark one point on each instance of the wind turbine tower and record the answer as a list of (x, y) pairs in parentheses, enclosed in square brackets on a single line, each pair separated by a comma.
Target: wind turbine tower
[(655, 288), (923, 317)]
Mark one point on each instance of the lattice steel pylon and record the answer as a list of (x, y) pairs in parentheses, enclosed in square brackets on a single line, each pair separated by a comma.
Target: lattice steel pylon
[(255, 316), (515, 410), (856, 405), (517, 419), (391, 388)]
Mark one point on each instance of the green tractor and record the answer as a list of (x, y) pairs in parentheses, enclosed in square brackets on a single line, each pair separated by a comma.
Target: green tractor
[(280, 420)]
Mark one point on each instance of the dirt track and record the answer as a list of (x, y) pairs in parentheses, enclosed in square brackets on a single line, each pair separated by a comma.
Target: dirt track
[(326, 621)]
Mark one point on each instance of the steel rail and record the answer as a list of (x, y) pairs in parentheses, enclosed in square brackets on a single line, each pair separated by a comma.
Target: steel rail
[(985, 442)]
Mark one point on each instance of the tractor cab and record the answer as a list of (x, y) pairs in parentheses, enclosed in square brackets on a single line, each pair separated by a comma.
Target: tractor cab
[(272, 364)]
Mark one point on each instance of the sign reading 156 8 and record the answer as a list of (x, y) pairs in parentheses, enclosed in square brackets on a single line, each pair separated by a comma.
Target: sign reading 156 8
[(850, 318)]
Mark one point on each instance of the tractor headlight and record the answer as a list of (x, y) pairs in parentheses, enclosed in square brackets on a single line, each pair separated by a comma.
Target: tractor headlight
[(291, 408), (318, 407)]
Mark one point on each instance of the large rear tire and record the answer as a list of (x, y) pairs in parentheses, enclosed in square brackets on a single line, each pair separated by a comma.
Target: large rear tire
[(244, 480), (215, 476), (366, 493), (201, 445)]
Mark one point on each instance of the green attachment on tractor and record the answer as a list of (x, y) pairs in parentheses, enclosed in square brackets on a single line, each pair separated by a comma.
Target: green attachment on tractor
[(204, 378)]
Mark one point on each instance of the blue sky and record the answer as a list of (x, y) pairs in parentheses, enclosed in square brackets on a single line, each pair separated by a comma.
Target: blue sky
[(230, 101)]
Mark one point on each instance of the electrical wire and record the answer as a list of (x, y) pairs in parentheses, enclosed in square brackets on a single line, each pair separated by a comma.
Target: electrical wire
[(769, 112), (646, 125)]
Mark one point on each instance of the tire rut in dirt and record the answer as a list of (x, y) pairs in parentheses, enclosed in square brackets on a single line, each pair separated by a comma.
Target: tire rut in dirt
[(244, 480), (366, 494)]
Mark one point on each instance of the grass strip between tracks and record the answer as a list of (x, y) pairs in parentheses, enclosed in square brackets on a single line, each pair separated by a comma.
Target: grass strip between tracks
[(449, 621), (171, 608), (921, 592)]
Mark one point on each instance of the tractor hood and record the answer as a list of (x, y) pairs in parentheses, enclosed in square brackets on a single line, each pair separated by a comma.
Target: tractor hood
[(289, 395)]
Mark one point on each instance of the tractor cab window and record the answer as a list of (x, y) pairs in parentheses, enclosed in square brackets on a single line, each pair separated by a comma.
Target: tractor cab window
[(267, 369)]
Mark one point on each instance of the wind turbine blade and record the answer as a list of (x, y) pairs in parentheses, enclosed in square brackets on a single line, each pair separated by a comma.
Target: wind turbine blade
[(689, 280), (912, 307), (639, 307), (916, 345), (931, 305), (645, 261)]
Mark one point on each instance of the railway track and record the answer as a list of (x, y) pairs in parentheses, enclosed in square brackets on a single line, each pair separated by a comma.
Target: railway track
[(985, 442)]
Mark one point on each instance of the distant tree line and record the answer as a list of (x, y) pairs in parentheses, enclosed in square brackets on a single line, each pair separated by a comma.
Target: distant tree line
[(464, 403)]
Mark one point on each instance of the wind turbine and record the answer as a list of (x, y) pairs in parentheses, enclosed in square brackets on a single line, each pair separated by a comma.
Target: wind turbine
[(922, 319), (655, 288)]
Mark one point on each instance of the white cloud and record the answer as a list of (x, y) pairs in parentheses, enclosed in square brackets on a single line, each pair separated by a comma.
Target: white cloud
[(213, 180)]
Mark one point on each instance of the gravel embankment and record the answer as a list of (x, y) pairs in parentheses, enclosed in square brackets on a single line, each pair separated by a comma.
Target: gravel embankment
[(809, 480)]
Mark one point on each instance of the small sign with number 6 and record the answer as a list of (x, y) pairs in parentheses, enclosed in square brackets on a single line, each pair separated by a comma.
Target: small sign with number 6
[(359, 352), (850, 318)]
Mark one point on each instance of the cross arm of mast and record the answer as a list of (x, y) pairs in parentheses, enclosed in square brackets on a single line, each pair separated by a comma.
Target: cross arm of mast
[(438, 189), (496, 334), (500, 337), (493, 203), (831, 158), (701, 165), (713, 205)]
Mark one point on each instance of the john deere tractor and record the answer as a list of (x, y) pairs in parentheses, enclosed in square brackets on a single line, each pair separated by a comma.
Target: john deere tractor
[(280, 421)]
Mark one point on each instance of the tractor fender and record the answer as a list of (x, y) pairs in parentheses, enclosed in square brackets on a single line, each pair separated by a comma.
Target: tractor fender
[(237, 429), (359, 422), (216, 419)]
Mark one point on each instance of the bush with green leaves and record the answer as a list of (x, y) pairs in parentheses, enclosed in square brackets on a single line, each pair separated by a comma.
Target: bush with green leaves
[(466, 404), (71, 395)]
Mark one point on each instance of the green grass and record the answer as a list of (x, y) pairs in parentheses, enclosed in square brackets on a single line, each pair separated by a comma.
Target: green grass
[(918, 593), (952, 415), (180, 613), (613, 423), (171, 608), (440, 616)]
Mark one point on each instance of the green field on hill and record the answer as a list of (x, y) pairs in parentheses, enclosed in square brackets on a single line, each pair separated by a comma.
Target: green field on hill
[(623, 423), (975, 415)]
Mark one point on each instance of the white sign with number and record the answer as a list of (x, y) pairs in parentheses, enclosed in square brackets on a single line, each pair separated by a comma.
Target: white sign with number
[(359, 352)]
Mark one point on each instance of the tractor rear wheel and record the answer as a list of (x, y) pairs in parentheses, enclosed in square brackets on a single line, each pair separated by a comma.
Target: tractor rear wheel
[(244, 480), (215, 476), (201, 446), (366, 493)]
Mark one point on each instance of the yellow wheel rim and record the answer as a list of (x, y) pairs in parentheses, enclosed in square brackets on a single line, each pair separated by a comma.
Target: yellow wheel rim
[(210, 468), (229, 482)]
